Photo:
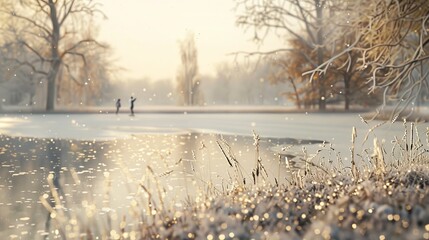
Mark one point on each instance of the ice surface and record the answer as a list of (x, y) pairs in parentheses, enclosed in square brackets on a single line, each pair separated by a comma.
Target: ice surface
[(333, 127)]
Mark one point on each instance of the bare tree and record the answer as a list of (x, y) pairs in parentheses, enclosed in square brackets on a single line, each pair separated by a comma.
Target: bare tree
[(188, 80), (47, 29), (93, 76), (288, 18), (393, 42)]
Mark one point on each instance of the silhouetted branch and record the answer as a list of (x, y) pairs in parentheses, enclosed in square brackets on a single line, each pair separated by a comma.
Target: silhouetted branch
[(71, 75)]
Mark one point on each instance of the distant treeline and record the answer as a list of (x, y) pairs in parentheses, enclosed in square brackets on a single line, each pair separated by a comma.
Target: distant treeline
[(236, 85)]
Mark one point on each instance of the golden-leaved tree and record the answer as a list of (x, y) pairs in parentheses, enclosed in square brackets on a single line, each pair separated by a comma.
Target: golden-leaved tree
[(305, 20), (392, 43), (290, 67)]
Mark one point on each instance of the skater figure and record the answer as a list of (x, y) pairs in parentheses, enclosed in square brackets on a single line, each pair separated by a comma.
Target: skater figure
[(118, 105), (132, 100)]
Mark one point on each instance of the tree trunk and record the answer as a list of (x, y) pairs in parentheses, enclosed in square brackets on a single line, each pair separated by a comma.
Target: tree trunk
[(52, 93), (321, 78), (347, 78), (56, 61), (295, 89)]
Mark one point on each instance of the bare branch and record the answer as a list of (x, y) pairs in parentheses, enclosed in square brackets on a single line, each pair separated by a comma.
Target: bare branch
[(274, 52), (42, 7), (33, 50), (322, 68), (29, 20), (303, 18), (79, 44), (27, 64), (72, 76), (67, 10), (81, 55)]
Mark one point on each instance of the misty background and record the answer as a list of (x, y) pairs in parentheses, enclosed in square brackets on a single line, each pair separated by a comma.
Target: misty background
[(232, 85), (64, 60)]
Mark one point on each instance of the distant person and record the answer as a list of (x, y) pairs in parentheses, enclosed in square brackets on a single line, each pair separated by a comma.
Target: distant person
[(118, 105), (132, 100)]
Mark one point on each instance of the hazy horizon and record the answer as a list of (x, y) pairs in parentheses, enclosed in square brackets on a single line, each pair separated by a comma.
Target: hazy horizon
[(144, 35)]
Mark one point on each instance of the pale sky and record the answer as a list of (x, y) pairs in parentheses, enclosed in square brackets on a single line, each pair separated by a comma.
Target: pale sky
[(144, 34)]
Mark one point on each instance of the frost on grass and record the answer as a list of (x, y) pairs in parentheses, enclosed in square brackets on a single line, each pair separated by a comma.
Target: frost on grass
[(375, 201), (395, 206)]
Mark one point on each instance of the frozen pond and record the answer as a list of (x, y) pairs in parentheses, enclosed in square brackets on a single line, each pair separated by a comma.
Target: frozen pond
[(335, 128), (98, 161)]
